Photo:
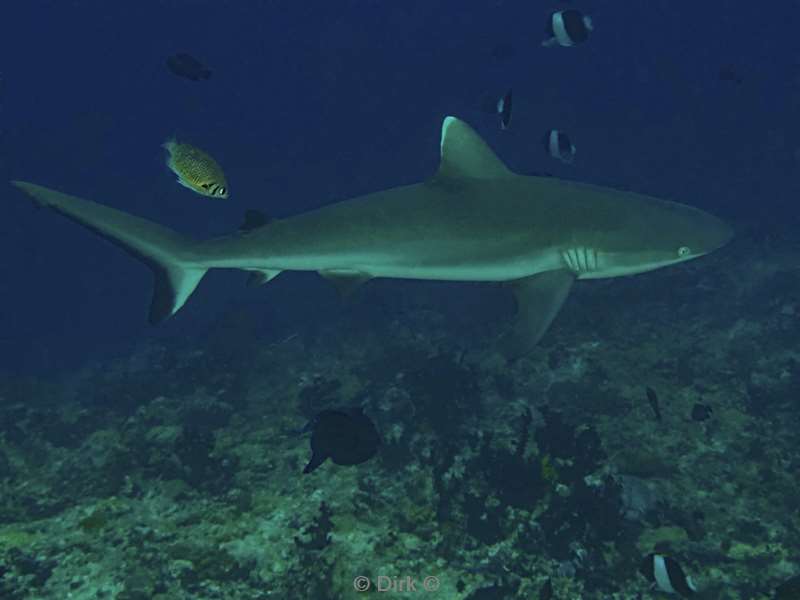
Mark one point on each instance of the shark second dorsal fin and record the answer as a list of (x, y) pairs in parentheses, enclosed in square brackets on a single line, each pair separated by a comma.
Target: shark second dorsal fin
[(466, 155)]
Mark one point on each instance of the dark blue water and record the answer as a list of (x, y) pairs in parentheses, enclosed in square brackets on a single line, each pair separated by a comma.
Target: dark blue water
[(311, 102)]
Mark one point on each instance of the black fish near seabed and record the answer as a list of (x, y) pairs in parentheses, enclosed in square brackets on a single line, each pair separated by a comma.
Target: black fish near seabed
[(652, 398), (187, 66), (788, 590), (667, 575), (346, 436), (546, 591), (701, 412)]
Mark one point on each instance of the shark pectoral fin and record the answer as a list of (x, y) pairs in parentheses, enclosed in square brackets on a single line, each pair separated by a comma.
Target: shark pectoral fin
[(166, 252), (465, 154), (539, 298), (261, 277), (346, 282)]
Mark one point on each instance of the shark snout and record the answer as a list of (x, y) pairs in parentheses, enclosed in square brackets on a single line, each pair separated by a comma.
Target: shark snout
[(717, 233)]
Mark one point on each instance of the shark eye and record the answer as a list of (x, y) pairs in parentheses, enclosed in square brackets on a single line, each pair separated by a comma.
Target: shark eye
[(683, 250)]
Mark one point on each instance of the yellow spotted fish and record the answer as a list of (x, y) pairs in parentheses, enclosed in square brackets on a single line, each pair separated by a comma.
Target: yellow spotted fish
[(196, 170)]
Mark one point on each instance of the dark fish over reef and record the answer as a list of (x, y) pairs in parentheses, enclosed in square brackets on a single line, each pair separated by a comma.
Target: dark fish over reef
[(666, 575), (701, 412), (345, 436), (652, 398), (546, 591), (789, 589), (187, 66)]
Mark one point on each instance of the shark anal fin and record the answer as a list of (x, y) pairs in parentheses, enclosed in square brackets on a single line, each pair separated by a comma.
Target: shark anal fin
[(539, 298), (346, 282), (464, 154)]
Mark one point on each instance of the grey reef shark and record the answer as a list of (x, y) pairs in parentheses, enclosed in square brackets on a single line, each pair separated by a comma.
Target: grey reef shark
[(473, 220)]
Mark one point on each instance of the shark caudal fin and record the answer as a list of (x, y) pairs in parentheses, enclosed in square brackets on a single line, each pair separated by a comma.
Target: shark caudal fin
[(166, 252)]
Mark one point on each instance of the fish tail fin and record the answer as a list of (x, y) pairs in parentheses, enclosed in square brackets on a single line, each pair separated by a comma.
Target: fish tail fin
[(169, 255)]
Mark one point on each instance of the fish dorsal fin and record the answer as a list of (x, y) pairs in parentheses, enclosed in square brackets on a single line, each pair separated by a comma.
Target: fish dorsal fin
[(466, 155)]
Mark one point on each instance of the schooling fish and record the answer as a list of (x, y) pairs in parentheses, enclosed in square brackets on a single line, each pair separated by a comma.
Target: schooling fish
[(345, 436), (196, 170), (188, 67)]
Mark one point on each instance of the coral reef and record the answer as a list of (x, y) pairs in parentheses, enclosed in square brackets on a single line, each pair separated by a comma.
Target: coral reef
[(176, 471)]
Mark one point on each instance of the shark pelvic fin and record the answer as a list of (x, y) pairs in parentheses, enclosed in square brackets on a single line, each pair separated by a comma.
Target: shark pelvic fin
[(539, 298), (261, 277), (345, 282), (465, 154), (163, 250)]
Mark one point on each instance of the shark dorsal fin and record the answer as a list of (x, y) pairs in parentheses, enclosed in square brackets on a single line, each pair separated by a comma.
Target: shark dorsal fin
[(466, 155)]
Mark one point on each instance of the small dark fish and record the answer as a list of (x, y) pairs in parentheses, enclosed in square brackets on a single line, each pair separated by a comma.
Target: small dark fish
[(567, 28), (667, 575), (504, 51), (546, 591), (701, 412), (187, 66), (345, 436), (652, 398), (253, 219), (499, 106), (558, 145), (729, 73), (789, 589)]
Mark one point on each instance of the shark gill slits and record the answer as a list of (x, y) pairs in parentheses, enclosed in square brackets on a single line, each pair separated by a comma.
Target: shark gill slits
[(580, 259), (567, 28), (558, 145)]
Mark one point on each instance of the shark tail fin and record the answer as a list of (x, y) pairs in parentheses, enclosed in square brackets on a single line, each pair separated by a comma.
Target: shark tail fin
[(166, 252)]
